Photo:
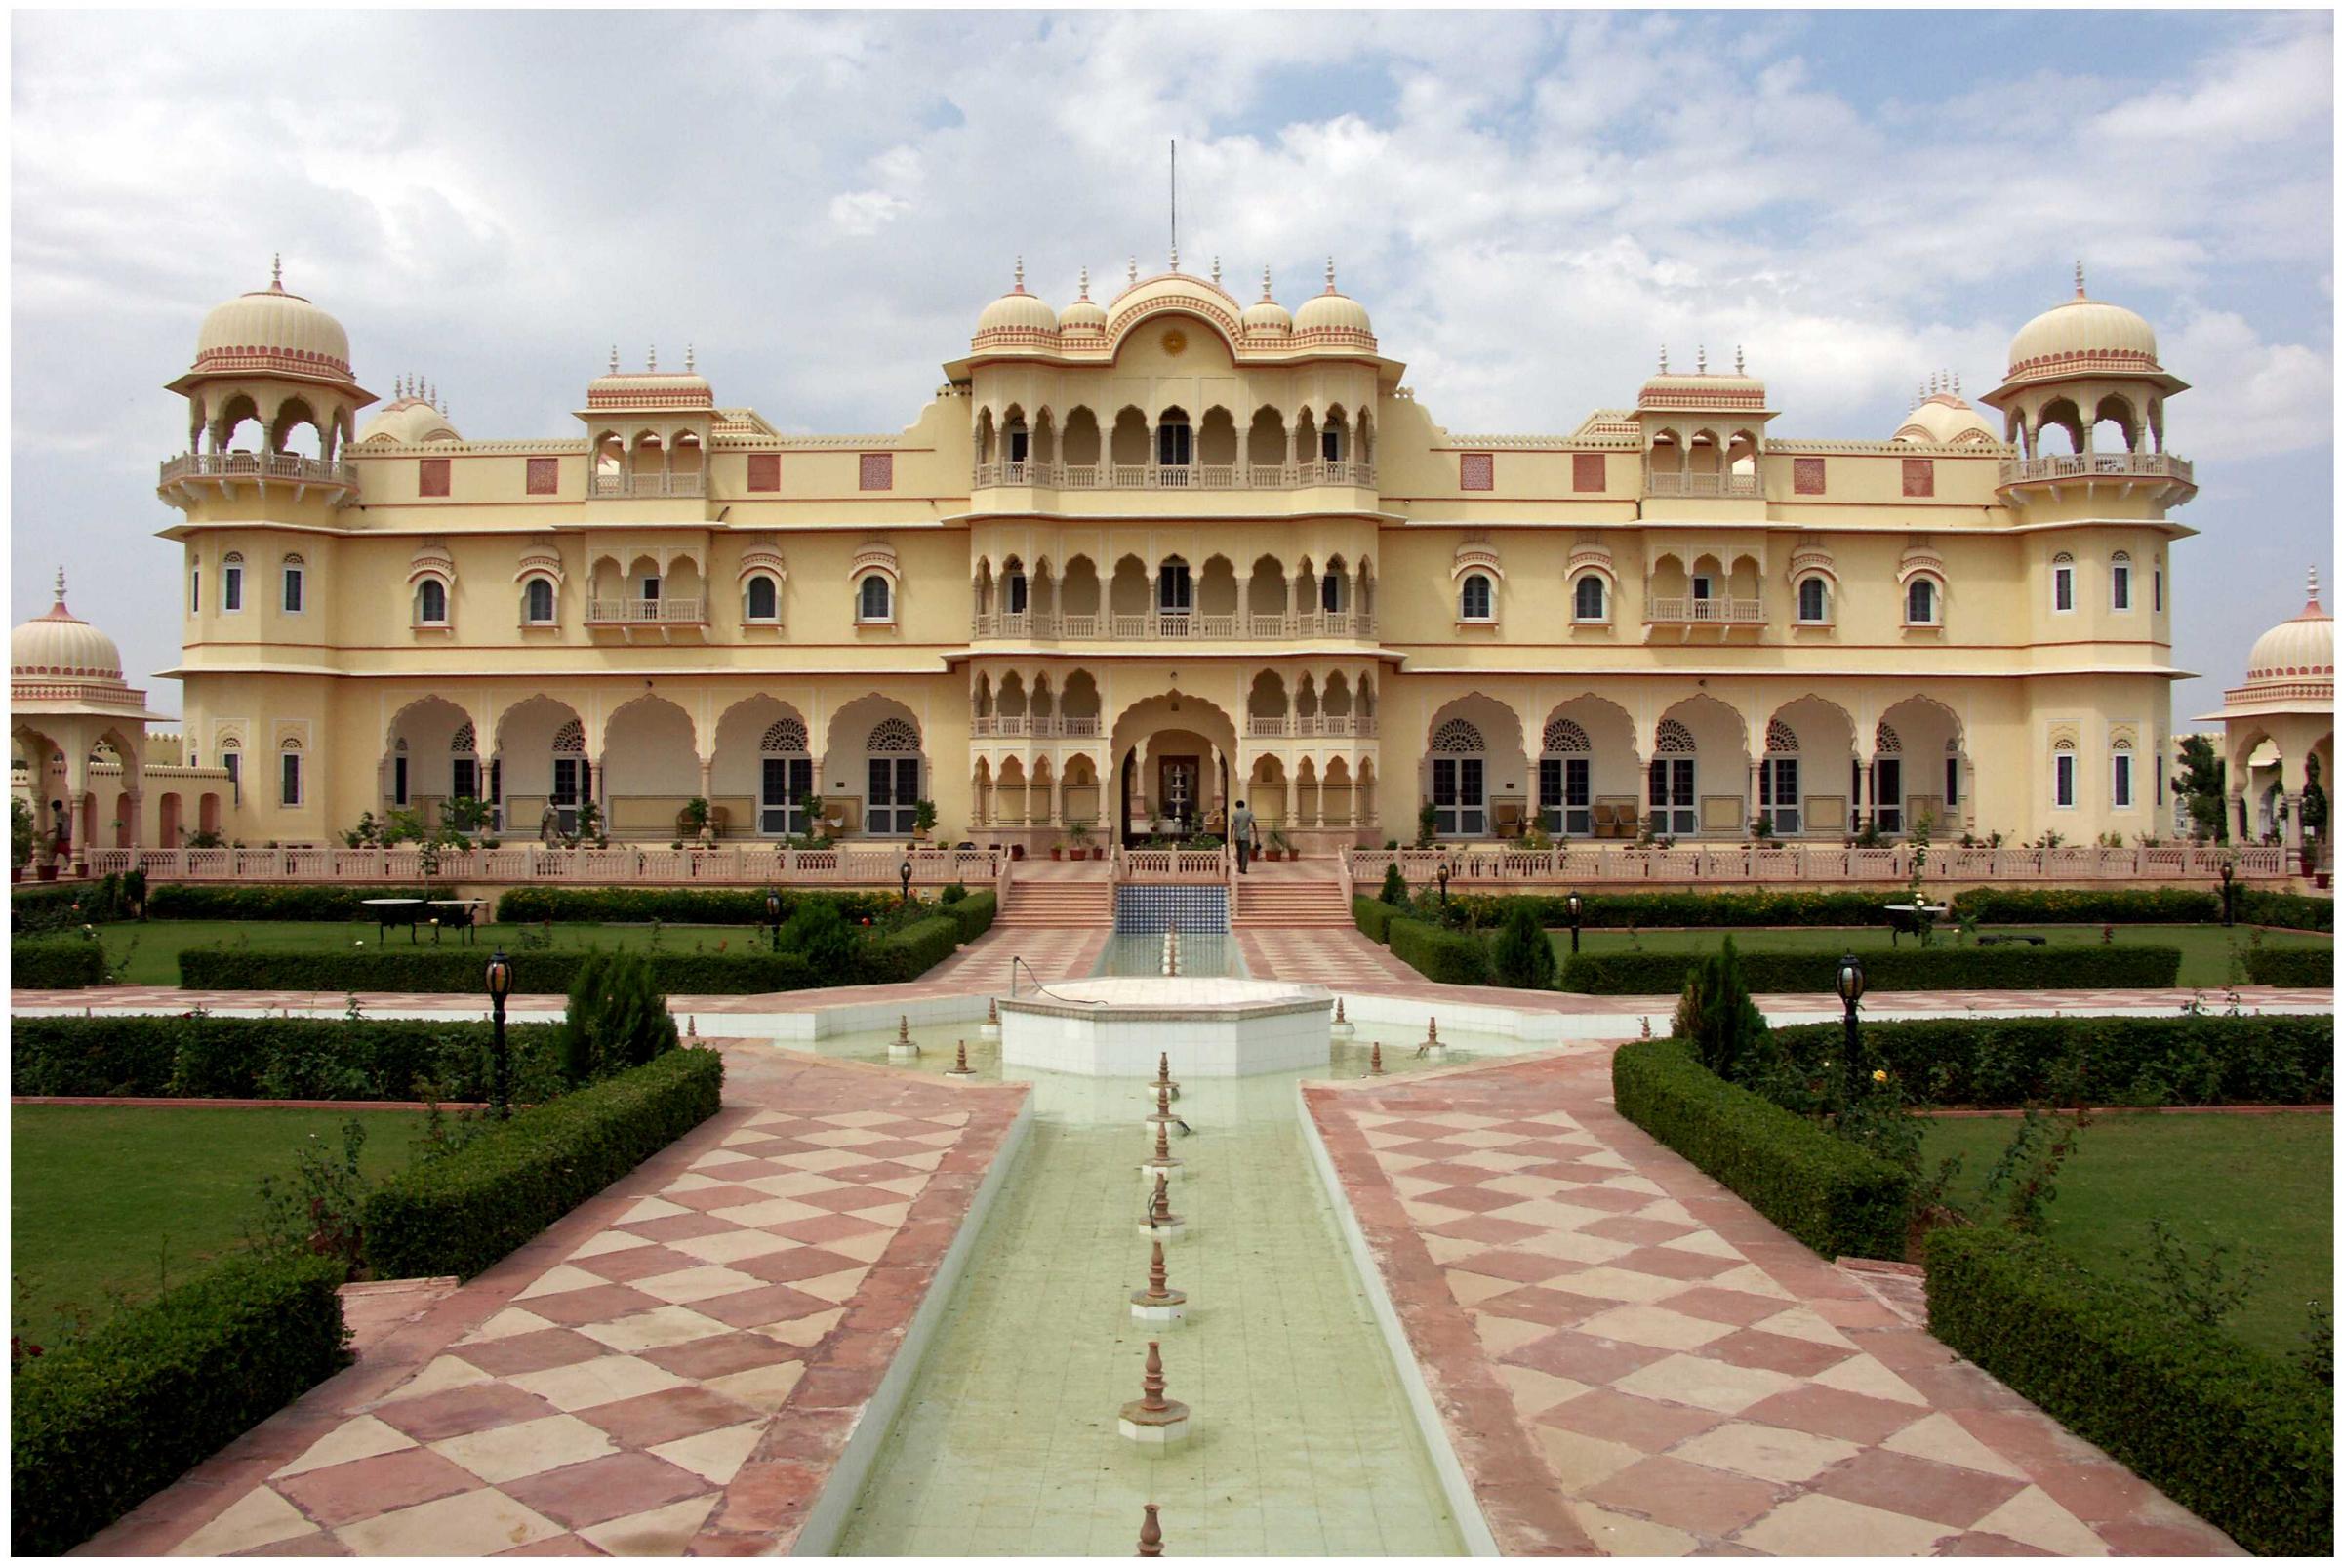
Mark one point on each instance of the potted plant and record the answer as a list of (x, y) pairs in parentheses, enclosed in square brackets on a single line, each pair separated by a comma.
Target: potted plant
[(696, 822), (922, 819), (1057, 851), (1279, 846), (1077, 837)]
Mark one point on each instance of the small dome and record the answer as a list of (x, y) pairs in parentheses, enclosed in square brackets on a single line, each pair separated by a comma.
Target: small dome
[(2290, 650), (63, 644), (411, 420), (272, 331), (1332, 311), (1085, 314), (1946, 419), (1266, 316), (1017, 312), (2081, 335)]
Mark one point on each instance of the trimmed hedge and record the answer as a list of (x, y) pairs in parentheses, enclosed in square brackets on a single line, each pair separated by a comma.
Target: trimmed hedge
[(695, 907), (458, 1214), (1832, 1196), (2001, 905), (1374, 917), (894, 956), (67, 906), (2211, 1058), (2290, 966), (103, 1421), (1992, 905), (272, 1058), (1908, 969), (2241, 1438), (1456, 957), (2295, 911), (55, 963), (274, 900)]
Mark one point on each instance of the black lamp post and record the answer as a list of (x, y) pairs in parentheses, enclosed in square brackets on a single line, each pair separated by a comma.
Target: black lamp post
[(904, 871), (500, 986), (1444, 873), (2227, 893), (1577, 913), (1850, 992), (772, 915)]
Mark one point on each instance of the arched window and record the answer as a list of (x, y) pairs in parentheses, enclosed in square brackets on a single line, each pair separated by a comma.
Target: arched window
[(430, 603), (296, 586), (1674, 780), (764, 599), (288, 774), (1813, 600), (2124, 762), (2119, 579), (2061, 763), (1174, 590), (1016, 589), (1333, 591), (1565, 779), (1460, 780), (1331, 440), (195, 587), (537, 602), (1918, 602), (463, 762), (893, 802), (1594, 598), (875, 602), (2061, 583), (1478, 599), (1778, 796), (785, 778), (231, 582)]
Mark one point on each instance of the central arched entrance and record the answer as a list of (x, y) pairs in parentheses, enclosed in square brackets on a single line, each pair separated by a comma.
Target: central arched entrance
[(1173, 759)]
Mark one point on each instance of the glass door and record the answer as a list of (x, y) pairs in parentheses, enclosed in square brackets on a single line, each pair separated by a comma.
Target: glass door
[(1460, 796), (894, 798), (572, 777), (1887, 774), (1675, 799), (787, 782), (1777, 794)]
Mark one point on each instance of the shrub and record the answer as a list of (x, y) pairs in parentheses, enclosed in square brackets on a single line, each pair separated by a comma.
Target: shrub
[(974, 913), (1394, 886), (1999, 906), (35, 910), (197, 1056), (2296, 911), (697, 907), (460, 1212), (56, 963), (288, 901), (617, 1019), (1374, 917), (2241, 1438), (818, 934), (1990, 905), (102, 1421), (1907, 969), (2205, 1058), (1457, 957), (1717, 1016), (1524, 956), (2290, 966), (952, 892), (1828, 1193)]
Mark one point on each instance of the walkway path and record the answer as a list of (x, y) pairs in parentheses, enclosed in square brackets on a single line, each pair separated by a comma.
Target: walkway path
[(677, 1364), (1627, 1355)]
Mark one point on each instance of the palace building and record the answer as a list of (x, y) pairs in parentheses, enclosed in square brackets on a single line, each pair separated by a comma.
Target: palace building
[(1161, 549)]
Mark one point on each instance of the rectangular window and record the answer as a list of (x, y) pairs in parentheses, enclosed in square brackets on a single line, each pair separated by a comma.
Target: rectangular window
[(2062, 589), (194, 589), (2121, 587), (2158, 783), (544, 476), (1019, 594), (1476, 471), (650, 591), (293, 589), (1919, 476), (1809, 476), (1588, 471), (466, 779), (1702, 588), (2065, 778), (1886, 794), (877, 470), (2158, 590), (2123, 781), (232, 762), (398, 781), (1951, 782), (432, 476), (231, 588), (764, 471), (288, 787)]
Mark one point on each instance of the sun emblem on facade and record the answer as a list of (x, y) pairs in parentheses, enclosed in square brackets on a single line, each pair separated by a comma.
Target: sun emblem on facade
[(1175, 341)]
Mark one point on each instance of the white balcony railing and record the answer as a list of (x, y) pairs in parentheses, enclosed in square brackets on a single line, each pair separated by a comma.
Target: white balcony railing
[(1272, 726), (639, 485), (1175, 476), (257, 466), (1685, 612), (740, 864), (1033, 626), (1576, 862), (1662, 482), (646, 612), (2098, 466), (1039, 726)]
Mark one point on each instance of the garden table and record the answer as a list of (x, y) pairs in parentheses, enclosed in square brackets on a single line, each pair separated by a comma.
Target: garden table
[(464, 916), (388, 912), (1916, 918)]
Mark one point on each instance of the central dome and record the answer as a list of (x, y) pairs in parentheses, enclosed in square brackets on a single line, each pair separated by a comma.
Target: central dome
[(1946, 418), (269, 329), (62, 645), (2291, 650), (2080, 336), (1017, 312)]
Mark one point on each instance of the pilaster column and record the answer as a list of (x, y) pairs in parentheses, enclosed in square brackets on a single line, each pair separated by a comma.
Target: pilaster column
[(2291, 800)]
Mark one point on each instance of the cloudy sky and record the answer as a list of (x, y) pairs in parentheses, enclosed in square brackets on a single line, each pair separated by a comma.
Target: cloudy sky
[(822, 202)]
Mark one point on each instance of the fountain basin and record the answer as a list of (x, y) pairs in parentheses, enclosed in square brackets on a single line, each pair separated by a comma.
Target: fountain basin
[(1214, 1027)]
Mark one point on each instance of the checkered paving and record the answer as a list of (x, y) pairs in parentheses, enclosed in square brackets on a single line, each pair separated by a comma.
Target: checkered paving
[(641, 1375), (1321, 956), (1049, 953), (1592, 1308)]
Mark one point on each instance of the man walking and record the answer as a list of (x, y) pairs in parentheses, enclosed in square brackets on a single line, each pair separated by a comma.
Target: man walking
[(1240, 830)]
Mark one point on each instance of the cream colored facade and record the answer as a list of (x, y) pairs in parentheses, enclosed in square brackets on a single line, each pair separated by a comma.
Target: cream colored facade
[(1167, 549), (2278, 726)]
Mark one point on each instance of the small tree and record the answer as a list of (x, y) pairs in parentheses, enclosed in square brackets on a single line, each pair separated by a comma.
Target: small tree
[(1426, 826), (1524, 956), (817, 932), (20, 833), (1717, 1014), (1394, 886), (617, 1019), (2204, 786)]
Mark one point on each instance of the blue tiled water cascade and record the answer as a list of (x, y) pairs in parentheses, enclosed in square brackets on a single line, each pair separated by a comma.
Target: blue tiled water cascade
[(1140, 910)]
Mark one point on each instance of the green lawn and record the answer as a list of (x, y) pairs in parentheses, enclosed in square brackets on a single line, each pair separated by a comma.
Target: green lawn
[(126, 1198), (2262, 1183), (153, 947), (2205, 950)]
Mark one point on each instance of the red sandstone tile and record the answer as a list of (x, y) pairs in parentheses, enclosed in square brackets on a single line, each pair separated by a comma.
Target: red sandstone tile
[(1985, 1544), (1689, 1496), (651, 1418), (1774, 1352), (1485, 1228), (1962, 1386), (455, 1411), (824, 1227), (1622, 1418), (720, 1355), (1529, 1267), (1629, 1228), (2096, 1492), (316, 1544), (1618, 1201), (1834, 1413), (641, 1262), (588, 1494), (754, 1309), (767, 1495), (1674, 1263), (729, 1195), (677, 1226), (794, 1263), (1568, 1353), (2135, 1539), (1470, 1199), (560, 1546), (1921, 1488), (596, 1304), (532, 1353), (1904, 1350), (341, 1494), (1537, 1304), (1715, 1305)]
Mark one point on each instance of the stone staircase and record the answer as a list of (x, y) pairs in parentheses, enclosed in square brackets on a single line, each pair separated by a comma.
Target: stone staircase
[(1289, 900), (1055, 900)]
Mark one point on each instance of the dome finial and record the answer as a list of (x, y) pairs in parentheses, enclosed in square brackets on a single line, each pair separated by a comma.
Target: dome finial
[(276, 270), (1085, 282), (1175, 256), (1265, 295), (654, 365), (1133, 272), (690, 358), (1329, 276), (1702, 359), (61, 587), (1215, 271), (1020, 274), (1956, 383), (614, 359), (1663, 359), (61, 583), (1740, 360), (2077, 289)]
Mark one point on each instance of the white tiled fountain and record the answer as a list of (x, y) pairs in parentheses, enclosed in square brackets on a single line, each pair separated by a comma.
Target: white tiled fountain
[(1214, 1027)]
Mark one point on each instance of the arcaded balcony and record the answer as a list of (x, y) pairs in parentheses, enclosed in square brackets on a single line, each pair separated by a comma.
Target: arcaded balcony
[(1034, 626), (1174, 476), (2090, 466), (662, 611), (1695, 612), (1040, 727), (1276, 726), (227, 469)]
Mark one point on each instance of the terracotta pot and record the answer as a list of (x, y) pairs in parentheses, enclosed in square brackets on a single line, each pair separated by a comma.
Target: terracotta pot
[(1057, 851), (47, 873)]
